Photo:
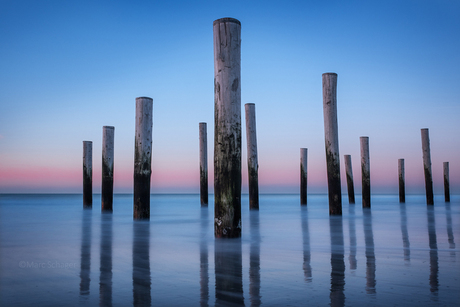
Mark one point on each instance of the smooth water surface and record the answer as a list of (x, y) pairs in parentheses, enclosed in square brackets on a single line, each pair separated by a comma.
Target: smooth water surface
[(54, 253)]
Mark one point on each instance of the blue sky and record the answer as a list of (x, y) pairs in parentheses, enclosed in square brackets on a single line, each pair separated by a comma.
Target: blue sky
[(67, 68)]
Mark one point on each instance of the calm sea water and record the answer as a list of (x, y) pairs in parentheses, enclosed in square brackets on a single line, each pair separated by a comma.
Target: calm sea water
[(54, 253)]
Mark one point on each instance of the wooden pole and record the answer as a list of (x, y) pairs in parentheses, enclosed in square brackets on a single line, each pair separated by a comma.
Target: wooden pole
[(303, 175), (427, 166), (365, 172), (143, 158), (253, 166), (87, 174), (107, 168), (349, 173), (402, 184), (227, 128), (332, 142), (446, 181), (203, 164)]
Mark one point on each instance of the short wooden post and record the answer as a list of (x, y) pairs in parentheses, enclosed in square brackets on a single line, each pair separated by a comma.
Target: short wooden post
[(446, 181), (349, 173), (332, 142), (402, 183), (253, 166), (143, 157), (87, 174), (227, 129), (203, 164), (303, 175), (427, 166), (107, 168), (365, 172)]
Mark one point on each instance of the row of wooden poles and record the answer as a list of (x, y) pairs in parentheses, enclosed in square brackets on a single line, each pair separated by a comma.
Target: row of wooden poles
[(227, 148)]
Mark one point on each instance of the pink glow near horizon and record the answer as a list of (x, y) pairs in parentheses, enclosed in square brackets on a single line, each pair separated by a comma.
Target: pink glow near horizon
[(382, 177)]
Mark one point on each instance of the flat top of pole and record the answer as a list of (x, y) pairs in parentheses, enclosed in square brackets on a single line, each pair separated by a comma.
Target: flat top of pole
[(108, 127), (87, 141), (143, 97), (202, 123), (250, 104), (329, 73), (226, 19)]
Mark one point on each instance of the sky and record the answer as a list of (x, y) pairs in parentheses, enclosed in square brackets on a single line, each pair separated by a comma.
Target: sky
[(68, 68)]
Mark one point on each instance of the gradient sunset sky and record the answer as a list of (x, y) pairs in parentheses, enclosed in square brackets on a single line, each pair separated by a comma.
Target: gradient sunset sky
[(67, 68)]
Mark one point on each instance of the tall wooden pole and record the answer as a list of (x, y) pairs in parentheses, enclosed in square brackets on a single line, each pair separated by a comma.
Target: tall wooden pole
[(446, 181), (107, 168), (253, 166), (227, 128), (203, 164), (402, 183), (350, 185), (365, 172), (331, 134), (427, 166), (143, 158), (87, 174), (303, 175)]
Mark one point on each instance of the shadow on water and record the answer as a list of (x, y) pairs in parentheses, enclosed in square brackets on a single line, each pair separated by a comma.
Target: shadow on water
[(370, 252), (337, 295), (254, 258), (141, 264), (352, 230), (204, 275), (450, 233), (85, 255), (105, 279), (306, 245), (434, 269), (229, 272), (404, 232)]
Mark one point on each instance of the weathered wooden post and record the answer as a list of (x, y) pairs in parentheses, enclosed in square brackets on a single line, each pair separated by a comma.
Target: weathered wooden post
[(203, 164), (427, 166), (303, 175), (402, 184), (349, 173), (107, 168), (446, 181), (87, 174), (253, 166), (143, 157), (365, 172), (332, 143), (227, 128)]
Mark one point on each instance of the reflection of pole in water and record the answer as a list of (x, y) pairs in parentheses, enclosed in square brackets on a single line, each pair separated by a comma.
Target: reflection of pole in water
[(141, 264), (105, 279), (404, 232), (370, 254), (434, 283), (254, 259), (450, 233), (337, 261), (85, 260), (204, 275), (306, 245), (229, 272), (352, 230)]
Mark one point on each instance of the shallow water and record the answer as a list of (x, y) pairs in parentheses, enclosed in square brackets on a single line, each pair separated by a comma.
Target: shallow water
[(52, 252)]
